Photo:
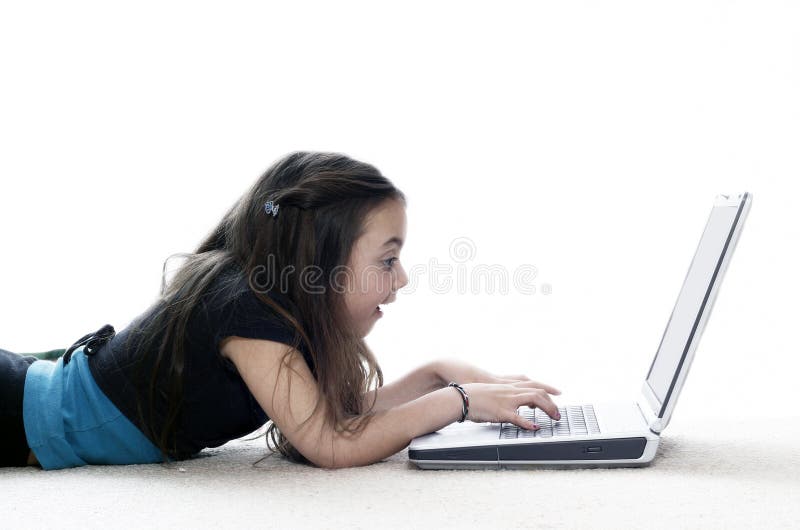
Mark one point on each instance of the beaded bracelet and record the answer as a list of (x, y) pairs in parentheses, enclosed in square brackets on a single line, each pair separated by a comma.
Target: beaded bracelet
[(465, 401)]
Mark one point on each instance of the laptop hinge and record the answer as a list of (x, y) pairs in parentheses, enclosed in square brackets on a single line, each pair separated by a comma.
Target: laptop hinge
[(653, 422)]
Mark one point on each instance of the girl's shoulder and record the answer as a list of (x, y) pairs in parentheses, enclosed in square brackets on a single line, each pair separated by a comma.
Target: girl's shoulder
[(232, 307), (231, 291)]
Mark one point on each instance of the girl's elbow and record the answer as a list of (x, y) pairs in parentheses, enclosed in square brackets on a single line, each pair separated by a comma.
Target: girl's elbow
[(329, 463), (327, 459), (339, 459)]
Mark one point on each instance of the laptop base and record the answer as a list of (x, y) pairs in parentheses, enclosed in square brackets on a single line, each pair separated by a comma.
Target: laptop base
[(529, 466)]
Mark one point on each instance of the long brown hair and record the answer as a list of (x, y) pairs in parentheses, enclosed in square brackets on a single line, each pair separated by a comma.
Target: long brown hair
[(323, 200)]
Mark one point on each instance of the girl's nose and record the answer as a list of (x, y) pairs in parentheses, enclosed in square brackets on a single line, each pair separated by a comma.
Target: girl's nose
[(402, 279)]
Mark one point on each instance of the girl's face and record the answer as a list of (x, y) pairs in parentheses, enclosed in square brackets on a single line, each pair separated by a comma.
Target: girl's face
[(374, 271)]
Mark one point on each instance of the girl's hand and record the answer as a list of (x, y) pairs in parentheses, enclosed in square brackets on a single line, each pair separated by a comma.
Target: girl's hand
[(498, 403), (462, 373)]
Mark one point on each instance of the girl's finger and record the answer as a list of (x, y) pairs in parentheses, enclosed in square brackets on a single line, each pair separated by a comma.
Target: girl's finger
[(515, 377), (519, 421), (536, 384), (507, 380), (544, 402)]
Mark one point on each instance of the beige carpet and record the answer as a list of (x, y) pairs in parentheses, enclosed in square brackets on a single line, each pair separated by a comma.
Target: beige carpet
[(743, 474)]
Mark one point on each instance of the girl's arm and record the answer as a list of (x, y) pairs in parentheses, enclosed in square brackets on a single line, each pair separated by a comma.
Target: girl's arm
[(420, 381), (388, 432)]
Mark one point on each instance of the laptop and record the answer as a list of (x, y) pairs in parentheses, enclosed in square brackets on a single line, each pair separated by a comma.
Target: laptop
[(607, 434)]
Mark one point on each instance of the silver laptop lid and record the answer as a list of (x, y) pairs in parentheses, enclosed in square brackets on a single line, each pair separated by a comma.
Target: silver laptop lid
[(674, 356)]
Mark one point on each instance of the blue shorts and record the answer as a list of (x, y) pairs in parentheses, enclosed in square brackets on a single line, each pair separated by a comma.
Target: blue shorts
[(69, 422)]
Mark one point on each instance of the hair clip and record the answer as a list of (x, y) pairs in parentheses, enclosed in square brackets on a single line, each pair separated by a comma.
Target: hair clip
[(270, 208)]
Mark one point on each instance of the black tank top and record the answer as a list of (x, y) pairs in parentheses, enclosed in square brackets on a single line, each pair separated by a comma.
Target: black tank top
[(217, 405)]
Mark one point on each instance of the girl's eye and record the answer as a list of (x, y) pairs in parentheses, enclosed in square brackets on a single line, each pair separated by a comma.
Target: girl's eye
[(389, 262)]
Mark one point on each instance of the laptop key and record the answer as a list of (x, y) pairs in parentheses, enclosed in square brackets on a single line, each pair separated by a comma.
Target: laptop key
[(576, 419)]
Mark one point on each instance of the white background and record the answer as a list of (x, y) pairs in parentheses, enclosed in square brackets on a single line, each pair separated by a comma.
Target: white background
[(587, 139)]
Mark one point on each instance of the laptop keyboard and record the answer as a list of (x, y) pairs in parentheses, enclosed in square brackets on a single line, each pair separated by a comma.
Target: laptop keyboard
[(578, 419)]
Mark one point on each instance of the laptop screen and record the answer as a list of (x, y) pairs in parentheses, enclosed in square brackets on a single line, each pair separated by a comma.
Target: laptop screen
[(684, 325)]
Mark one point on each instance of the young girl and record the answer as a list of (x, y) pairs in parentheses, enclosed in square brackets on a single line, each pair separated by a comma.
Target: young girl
[(265, 321)]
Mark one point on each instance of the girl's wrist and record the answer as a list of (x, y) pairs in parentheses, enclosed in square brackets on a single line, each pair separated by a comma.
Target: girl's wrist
[(465, 400)]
